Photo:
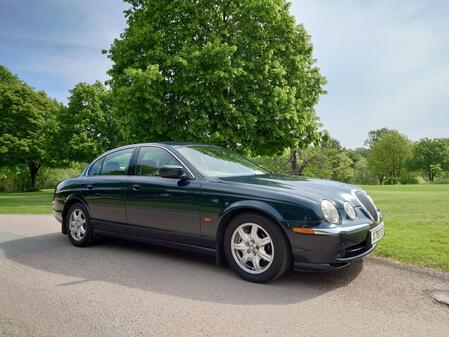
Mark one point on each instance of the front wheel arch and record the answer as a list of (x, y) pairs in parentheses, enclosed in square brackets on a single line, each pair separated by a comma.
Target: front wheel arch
[(226, 219)]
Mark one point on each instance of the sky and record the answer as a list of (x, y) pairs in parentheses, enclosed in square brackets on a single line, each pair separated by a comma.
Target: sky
[(386, 61)]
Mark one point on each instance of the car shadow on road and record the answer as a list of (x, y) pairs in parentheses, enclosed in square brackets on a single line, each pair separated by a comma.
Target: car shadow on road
[(166, 271)]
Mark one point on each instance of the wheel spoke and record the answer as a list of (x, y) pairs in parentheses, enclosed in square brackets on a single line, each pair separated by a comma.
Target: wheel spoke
[(244, 235), (254, 233), (263, 242), (263, 254), (239, 246), (256, 263), (245, 259)]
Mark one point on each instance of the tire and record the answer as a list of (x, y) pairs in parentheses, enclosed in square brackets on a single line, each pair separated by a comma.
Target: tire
[(256, 248), (79, 228)]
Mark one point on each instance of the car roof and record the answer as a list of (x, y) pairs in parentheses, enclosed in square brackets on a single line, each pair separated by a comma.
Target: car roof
[(163, 144)]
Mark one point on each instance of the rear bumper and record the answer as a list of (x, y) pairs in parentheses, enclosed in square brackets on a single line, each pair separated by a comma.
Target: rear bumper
[(331, 248)]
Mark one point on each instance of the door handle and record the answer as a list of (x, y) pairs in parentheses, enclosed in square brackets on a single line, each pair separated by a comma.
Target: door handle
[(90, 186), (136, 187)]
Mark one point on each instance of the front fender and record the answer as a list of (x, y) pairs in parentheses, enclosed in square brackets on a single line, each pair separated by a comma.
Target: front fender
[(255, 205)]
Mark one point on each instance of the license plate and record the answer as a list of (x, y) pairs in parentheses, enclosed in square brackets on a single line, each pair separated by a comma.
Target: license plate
[(377, 233)]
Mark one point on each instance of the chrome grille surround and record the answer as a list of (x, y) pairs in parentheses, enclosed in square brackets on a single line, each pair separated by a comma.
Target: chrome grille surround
[(366, 204)]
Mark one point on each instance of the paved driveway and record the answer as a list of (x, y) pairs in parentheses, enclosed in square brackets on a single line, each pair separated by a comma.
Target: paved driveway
[(50, 288)]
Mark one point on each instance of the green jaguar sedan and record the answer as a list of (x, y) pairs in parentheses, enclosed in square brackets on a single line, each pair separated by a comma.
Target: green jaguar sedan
[(208, 199)]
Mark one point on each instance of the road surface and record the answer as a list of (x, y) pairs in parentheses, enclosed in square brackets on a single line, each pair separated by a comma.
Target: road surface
[(50, 288)]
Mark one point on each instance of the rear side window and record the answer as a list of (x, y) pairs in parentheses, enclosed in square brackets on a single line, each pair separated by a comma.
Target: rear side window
[(95, 168), (117, 163)]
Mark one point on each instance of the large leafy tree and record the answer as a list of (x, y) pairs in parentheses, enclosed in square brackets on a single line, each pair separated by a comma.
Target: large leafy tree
[(87, 126), (430, 156), (234, 73), (27, 118), (388, 155)]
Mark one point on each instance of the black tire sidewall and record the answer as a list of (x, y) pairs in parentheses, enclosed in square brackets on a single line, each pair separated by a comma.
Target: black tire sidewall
[(87, 239), (281, 247)]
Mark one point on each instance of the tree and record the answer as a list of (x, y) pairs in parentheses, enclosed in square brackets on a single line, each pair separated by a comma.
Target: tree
[(343, 170), (375, 135), (7, 77), (388, 156), (362, 174), (239, 74), (27, 118), (431, 157), (88, 126)]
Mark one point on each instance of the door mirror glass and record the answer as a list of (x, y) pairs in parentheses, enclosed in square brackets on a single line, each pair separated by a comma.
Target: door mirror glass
[(172, 171)]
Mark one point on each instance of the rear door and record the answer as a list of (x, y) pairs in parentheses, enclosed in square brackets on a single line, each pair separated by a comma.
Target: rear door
[(105, 191), (162, 208)]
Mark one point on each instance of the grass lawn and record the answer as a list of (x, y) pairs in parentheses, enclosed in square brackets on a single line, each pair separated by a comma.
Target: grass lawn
[(416, 223), (416, 218), (26, 203)]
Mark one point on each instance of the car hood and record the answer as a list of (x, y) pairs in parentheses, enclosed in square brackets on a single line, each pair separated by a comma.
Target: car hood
[(303, 187)]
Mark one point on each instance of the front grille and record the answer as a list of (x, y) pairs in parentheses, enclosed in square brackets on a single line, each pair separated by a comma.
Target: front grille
[(366, 202)]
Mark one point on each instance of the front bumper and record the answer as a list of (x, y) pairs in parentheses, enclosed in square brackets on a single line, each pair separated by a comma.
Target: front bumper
[(330, 247)]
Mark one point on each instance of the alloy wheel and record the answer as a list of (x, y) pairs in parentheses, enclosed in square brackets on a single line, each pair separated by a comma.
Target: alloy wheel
[(252, 248), (77, 224)]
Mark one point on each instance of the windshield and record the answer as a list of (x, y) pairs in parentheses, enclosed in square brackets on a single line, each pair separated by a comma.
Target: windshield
[(214, 161)]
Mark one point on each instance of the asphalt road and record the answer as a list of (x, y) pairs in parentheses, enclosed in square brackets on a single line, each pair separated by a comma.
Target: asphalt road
[(50, 288)]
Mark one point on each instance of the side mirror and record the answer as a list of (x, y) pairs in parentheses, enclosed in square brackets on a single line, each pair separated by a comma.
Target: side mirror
[(172, 171)]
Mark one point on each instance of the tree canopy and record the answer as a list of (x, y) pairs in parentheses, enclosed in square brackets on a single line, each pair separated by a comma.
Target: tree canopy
[(239, 74), (431, 157), (389, 152), (26, 119), (87, 127)]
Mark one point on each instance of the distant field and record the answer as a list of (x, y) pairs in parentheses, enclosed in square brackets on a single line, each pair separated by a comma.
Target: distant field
[(26, 203), (417, 223), (416, 218)]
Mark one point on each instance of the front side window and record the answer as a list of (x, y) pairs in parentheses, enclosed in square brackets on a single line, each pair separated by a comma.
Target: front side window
[(214, 161), (117, 163), (151, 159)]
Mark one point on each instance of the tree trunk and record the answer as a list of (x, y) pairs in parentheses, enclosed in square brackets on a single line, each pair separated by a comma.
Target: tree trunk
[(294, 160), (34, 169)]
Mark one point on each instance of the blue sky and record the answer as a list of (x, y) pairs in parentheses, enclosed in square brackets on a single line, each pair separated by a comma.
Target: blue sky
[(386, 61)]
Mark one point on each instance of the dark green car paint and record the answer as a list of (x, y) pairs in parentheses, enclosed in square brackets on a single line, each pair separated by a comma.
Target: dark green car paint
[(172, 211)]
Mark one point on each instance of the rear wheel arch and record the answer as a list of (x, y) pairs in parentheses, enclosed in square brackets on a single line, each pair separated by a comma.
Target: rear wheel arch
[(67, 204)]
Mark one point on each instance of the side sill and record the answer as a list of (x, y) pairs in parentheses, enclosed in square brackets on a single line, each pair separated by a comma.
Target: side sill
[(170, 244)]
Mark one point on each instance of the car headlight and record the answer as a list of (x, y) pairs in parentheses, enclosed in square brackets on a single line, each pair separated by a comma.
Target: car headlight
[(350, 211), (330, 212)]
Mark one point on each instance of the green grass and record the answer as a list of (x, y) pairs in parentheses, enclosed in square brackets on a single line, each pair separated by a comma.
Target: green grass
[(416, 223), (416, 218), (26, 202)]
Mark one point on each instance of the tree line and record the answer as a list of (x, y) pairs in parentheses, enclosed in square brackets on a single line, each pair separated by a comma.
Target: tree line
[(388, 157)]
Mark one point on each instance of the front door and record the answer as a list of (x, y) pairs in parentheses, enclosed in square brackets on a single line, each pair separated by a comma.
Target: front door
[(162, 208)]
